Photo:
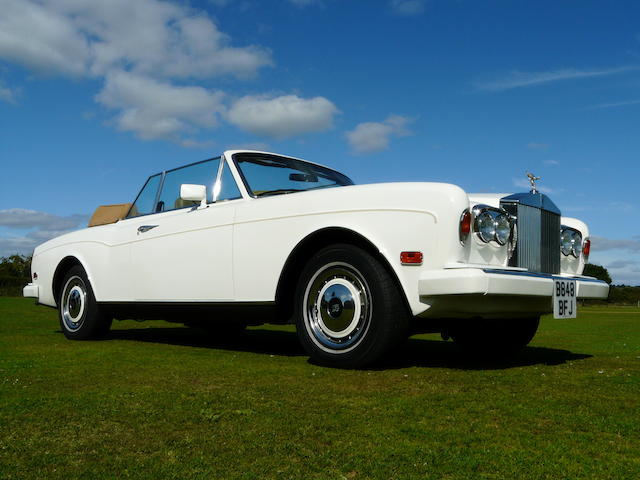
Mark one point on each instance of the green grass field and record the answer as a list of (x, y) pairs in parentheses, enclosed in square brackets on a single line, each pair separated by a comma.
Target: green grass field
[(157, 400)]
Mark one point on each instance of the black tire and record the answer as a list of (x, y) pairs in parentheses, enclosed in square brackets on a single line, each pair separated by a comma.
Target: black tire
[(495, 338), (81, 318), (349, 309)]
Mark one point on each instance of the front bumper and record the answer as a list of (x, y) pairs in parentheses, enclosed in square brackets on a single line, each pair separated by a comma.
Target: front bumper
[(31, 290), (470, 292), (486, 281)]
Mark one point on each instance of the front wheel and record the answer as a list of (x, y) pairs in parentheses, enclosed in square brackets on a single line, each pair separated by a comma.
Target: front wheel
[(81, 318), (349, 310)]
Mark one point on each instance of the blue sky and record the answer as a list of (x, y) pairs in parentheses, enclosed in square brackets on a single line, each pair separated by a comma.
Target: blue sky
[(96, 96)]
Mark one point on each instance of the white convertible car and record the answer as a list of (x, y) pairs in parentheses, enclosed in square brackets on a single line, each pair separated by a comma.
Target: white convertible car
[(253, 237)]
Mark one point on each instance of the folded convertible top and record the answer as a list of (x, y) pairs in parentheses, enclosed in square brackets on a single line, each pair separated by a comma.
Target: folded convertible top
[(106, 214)]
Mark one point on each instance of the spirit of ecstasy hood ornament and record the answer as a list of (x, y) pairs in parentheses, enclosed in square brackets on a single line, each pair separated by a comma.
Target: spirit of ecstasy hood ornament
[(532, 181)]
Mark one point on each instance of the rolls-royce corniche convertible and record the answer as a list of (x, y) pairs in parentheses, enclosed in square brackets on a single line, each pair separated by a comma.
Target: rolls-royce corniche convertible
[(252, 237)]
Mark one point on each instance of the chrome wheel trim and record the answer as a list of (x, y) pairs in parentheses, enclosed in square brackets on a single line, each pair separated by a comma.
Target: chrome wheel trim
[(74, 302), (337, 307)]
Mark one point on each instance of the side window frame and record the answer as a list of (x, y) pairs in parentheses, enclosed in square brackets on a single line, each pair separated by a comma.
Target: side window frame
[(160, 187), (155, 202)]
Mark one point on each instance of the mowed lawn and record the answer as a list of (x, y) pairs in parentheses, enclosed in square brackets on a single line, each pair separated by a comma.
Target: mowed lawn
[(157, 400)]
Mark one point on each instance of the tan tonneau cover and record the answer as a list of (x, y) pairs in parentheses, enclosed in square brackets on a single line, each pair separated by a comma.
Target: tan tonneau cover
[(105, 214)]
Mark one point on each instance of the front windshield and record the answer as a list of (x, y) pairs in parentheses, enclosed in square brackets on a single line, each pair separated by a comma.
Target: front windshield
[(266, 175)]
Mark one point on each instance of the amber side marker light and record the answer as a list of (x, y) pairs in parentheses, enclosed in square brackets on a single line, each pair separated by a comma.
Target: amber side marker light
[(411, 258), (586, 249)]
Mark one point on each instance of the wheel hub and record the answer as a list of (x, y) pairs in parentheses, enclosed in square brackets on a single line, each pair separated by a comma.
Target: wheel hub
[(338, 307), (74, 300)]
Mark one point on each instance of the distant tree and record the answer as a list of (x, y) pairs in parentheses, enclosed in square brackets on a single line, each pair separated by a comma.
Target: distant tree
[(624, 295), (15, 273), (597, 271)]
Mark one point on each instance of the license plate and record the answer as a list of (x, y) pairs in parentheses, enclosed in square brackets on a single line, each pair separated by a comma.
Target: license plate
[(565, 304)]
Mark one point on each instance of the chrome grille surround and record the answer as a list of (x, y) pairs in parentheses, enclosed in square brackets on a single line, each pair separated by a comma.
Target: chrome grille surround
[(538, 223)]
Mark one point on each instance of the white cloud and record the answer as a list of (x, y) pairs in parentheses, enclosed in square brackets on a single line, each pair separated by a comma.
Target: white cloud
[(40, 37), (602, 244), (145, 51), (551, 162), (371, 137), (140, 48), (7, 94), (621, 264), (408, 7), (22, 218), (518, 79), (624, 271), (153, 109), (145, 36), (16, 245), (613, 105), (40, 227), (282, 117), (260, 146)]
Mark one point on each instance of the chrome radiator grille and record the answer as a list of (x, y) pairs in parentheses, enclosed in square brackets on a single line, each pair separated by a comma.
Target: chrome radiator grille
[(538, 227)]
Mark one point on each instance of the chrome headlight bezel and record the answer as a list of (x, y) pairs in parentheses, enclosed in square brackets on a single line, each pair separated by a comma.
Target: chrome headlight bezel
[(485, 226), (570, 241), (492, 224), (566, 241), (576, 248), (503, 228)]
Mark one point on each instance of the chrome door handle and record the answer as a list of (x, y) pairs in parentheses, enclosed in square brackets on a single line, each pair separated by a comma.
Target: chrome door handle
[(145, 228)]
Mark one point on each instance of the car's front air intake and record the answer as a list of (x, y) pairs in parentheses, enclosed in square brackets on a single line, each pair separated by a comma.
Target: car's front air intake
[(538, 231)]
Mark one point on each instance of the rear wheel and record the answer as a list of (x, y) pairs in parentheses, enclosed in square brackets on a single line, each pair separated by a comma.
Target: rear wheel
[(349, 310), (495, 338), (81, 318)]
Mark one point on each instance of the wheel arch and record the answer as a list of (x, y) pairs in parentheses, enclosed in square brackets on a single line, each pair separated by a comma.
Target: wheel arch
[(63, 267), (312, 243)]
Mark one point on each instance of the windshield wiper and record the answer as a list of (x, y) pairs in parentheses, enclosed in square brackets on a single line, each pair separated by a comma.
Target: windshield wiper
[(279, 191)]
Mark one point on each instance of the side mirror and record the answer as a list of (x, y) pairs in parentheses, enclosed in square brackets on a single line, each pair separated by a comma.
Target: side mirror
[(193, 193)]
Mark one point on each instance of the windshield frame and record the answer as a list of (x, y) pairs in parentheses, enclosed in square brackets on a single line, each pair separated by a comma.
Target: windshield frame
[(340, 176)]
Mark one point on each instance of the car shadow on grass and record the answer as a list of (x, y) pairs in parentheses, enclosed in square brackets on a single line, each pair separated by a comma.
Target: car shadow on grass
[(415, 352), (271, 342), (418, 352)]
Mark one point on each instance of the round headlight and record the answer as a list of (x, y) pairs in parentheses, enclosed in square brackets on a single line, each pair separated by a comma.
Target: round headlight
[(576, 248), (566, 242), (503, 229), (486, 227)]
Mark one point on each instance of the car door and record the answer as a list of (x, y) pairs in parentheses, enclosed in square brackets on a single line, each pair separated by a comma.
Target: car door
[(183, 251)]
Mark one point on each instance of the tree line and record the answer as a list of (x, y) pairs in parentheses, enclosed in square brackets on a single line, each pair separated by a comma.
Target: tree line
[(15, 273)]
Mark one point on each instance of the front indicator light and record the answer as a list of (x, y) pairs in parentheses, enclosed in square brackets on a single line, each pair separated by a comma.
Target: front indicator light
[(465, 226), (411, 258), (586, 249)]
